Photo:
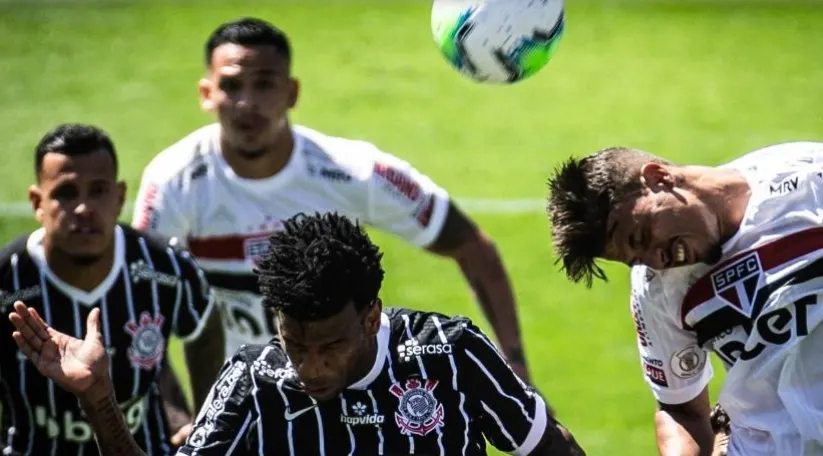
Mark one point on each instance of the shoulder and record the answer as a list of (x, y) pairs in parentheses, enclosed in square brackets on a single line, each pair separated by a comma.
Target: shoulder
[(16, 265), (266, 363), (781, 154), (430, 333), (334, 158), (12, 251), (174, 257), (663, 286), (186, 159), (357, 159)]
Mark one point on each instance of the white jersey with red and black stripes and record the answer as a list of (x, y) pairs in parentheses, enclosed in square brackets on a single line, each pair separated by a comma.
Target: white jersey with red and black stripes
[(189, 192), (756, 309)]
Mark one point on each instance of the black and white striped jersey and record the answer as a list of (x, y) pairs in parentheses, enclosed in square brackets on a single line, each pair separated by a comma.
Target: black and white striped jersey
[(152, 291), (438, 387)]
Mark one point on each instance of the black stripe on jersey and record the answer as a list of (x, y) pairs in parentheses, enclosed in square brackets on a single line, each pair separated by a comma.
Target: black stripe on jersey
[(139, 304), (727, 318), (467, 393)]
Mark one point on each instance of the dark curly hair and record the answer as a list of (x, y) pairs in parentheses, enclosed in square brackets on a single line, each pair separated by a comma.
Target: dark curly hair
[(318, 264), (582, 194)]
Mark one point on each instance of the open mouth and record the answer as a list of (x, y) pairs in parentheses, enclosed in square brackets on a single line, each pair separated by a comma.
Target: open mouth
[(676, 254)]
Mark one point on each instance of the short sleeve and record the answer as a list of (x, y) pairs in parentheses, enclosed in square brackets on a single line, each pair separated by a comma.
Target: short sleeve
[(404, 201), (223, 422), (157, 208), (673, 364), (197, 300), (511, 415)]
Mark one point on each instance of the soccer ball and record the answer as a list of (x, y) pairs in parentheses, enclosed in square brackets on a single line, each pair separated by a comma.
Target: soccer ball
[(497, 41)]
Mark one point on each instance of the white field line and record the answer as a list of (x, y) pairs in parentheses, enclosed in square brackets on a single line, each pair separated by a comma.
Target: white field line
[(474, 205)]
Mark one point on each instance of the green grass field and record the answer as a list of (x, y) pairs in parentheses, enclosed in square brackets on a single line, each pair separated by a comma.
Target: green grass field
[(695, 81)]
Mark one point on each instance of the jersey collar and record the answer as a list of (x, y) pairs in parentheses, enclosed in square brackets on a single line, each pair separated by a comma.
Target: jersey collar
[(380, 359), (34, 245)]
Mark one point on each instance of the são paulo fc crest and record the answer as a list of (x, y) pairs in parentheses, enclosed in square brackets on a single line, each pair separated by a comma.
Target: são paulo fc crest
[(147, 341), (737, 283), (418, 412)]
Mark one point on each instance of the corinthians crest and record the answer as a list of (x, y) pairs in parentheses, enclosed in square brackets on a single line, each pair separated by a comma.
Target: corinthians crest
[(147, 341), (418, 412)]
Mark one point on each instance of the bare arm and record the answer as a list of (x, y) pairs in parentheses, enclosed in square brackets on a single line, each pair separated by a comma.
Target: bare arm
[(80, 367), (685, 429), (107, 421), (205, 356), (175, 406), (483, 268)]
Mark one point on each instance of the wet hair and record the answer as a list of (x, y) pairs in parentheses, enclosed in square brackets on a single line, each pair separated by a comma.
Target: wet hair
[(317, 265), (73, 140), (248, 31), (582, 194)]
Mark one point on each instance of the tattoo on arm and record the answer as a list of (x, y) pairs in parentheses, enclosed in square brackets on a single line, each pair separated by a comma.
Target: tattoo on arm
[(205, 356), (110, 430)]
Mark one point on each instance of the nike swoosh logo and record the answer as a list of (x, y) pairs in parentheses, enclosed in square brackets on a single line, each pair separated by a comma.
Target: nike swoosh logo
[(293, 415)]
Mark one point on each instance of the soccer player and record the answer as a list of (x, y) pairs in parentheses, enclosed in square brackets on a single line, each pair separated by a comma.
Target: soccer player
[(725, 259), (224, 188), (81, 261), (343, 376)]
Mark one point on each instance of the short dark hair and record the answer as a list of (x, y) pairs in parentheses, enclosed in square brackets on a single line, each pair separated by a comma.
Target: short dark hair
[(248, 31), (582, 194), (73, 139), (318, 264)]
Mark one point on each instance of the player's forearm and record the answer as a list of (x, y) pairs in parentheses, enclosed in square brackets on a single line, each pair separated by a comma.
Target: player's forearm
[(681, 434), (204, 358), (109, 425), (177, 410), (484, 270)]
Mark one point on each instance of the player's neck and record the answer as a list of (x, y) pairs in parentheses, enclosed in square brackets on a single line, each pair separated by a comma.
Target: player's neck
[(85, 276), (365, 363), (270, 162), (727, 193)]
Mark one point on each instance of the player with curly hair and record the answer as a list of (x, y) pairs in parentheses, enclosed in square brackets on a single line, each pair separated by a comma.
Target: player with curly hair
[(344, 376)]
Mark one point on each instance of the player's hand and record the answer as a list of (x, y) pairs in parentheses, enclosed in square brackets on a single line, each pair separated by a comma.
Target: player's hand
[(722, 430), (179, 437), (78, 366)]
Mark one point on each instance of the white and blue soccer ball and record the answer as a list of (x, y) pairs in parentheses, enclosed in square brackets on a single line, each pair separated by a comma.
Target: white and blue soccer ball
[(498, 41)]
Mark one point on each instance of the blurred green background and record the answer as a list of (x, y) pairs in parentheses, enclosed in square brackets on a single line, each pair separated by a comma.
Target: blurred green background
[(699, 82)]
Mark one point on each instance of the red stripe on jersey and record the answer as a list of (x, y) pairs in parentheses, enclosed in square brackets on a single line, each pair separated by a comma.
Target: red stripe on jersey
[(236, 247), (772, 255)]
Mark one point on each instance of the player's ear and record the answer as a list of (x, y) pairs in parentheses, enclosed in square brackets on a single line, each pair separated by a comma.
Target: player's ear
[(121, 196), (35, 200), (204, 88), (294, 92), (373, 316), (656, 177)]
